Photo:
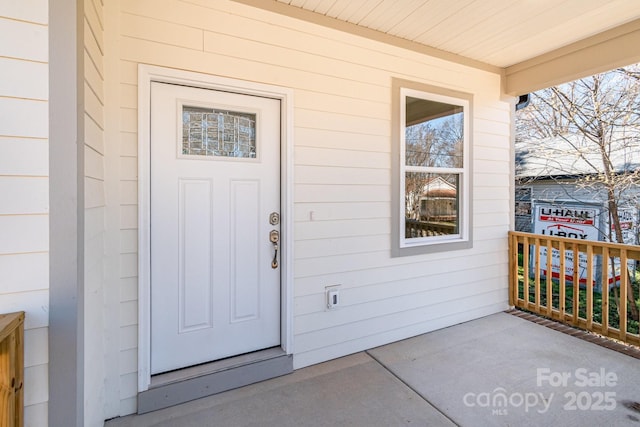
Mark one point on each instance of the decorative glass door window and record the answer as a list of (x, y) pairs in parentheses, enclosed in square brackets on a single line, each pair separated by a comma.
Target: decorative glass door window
[(218, 133)]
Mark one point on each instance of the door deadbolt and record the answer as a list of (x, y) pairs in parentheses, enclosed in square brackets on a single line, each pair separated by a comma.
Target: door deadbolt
[(274, 218)]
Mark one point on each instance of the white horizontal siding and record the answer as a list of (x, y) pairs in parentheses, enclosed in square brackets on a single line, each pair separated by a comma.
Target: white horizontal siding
[(24, 234), (33, 38), (374, 259), (491, 206), (34, 303), (24, 189), (313, 175), (93, 135), (93, 106), (94, 163), (312, 119), (342, 173), (26, 10), (28, 195), (129, 241), (342, 245), (342, 193), (375, 296), (94, 214), (128, 289), (340, 211), (159, 31), (341, 228), (129, 192), (491, 127), (128, 144), (128, 120), (341, 140), (128, 265), (13, 160), (368, 309), (36, 415), (128, 337), (308, 156), (36, 350), (24, 272), (312, 284), (24, 79), (128, 217), (24, 117), (33, 381), (340, 104), (483, 152), (487, 180), (93, 47), (93, 193)]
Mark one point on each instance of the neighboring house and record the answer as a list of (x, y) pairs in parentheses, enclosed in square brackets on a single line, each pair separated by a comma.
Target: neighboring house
[(151, 150), (438, 201), (561, 171), (435, 212)]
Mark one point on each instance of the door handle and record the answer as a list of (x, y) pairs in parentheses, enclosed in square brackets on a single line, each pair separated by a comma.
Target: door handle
[(274, 237)]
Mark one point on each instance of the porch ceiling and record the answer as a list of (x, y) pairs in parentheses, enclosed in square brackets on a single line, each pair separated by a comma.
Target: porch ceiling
[(497, 32), (498, 35)]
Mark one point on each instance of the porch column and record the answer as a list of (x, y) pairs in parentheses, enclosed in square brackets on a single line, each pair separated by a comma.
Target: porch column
[(66, 203)]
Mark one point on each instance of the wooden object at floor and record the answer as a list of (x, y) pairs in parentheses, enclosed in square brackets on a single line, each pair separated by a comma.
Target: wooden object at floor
[(12, 369)]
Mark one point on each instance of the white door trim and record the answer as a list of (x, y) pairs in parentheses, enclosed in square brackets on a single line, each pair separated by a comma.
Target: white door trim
[(147, 74)]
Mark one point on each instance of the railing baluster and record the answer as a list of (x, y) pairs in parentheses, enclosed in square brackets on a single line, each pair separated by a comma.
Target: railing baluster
[(605, 290), (549, 279), (576, 283), (563, 281), (589, 286), (525, 271), (536, 263)]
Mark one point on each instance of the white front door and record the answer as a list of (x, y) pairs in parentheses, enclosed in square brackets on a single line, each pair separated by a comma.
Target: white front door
[(215, 202)]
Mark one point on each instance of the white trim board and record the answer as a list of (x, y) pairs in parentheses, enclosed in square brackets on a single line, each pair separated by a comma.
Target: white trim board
[(147, 74)]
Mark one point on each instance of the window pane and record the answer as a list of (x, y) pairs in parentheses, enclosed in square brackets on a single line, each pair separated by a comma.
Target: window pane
[(434, 133), (432, 203), (211, 132)]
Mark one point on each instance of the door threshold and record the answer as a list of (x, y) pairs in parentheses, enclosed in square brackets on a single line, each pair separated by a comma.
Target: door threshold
[(183, 385), (178, 375)]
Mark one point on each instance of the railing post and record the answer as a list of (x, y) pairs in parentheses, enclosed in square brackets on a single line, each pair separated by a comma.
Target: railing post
[(513, 267), (12, 369), (622, 308)]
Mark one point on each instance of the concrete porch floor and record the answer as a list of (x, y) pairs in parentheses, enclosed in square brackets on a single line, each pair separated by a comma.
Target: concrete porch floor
[(500, 370)]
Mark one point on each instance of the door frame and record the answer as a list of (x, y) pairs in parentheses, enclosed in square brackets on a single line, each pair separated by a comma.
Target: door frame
[(148, 74)]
